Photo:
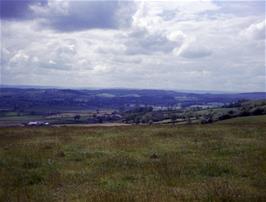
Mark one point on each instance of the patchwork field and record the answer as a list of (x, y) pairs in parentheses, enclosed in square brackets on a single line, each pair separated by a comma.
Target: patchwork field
[(224, 161)]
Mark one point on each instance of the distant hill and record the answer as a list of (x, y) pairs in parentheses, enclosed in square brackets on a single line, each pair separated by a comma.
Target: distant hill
[(53, 99)]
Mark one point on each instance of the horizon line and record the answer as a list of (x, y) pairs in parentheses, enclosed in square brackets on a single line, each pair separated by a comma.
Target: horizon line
[(198, 91)]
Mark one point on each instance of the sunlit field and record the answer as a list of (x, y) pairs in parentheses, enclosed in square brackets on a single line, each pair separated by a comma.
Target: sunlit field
[(224, 161)]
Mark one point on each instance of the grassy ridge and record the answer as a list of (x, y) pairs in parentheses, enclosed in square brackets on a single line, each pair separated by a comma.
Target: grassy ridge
[(225, 161)]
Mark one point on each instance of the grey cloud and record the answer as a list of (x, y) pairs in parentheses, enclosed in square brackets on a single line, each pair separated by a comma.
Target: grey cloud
[(18, 9), (241, 8), (61, 58), (168, 14), (126, 60), (195, 52), (82, 15), (139, 56), (143, 42), (69, 16)]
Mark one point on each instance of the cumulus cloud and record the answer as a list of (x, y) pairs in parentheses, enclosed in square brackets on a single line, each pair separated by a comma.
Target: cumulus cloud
[(255, 31), (140, 41), (135, 44), (17, 9), (81, 15), (69, 15), (177, 36), (193, 50), (196, 53)]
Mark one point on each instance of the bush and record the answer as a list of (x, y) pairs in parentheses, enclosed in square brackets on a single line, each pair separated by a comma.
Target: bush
[(258, 111), (225, 116)]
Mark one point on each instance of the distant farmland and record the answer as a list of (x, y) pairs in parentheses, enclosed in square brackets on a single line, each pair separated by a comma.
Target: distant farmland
[(224, 161)]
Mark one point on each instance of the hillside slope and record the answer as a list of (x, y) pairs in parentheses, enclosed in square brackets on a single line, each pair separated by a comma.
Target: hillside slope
[(224, 161)]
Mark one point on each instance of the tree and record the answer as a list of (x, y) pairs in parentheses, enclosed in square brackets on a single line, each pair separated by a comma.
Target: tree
[(188, 119), (100, 120), (258, 111), (137, 120), (173, 118), (77, 117), (150, 122)]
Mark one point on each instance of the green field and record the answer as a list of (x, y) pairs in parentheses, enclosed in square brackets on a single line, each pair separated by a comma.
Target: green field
[(224, 161)]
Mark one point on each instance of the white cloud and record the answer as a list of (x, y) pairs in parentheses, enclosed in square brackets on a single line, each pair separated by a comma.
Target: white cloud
[(255, 31), (140, 41), (177, 36), (193, 49), (177, 45)]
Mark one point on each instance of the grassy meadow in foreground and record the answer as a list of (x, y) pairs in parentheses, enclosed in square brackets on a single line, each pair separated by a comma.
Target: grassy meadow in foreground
[(225, 161)]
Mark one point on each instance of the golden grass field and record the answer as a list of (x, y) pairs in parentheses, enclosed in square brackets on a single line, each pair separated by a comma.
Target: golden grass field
[(224, 161)]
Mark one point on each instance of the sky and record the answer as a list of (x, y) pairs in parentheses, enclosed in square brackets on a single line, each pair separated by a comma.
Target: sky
[(179, 45)]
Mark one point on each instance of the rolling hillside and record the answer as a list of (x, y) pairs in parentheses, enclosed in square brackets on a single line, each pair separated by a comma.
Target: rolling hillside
[(61, 99), (224, 161)]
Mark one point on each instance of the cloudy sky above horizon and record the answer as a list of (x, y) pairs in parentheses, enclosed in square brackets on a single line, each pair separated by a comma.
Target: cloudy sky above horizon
[(188, 45)]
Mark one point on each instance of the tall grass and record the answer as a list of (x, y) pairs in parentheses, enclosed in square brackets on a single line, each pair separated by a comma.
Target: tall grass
[(219, 162)]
